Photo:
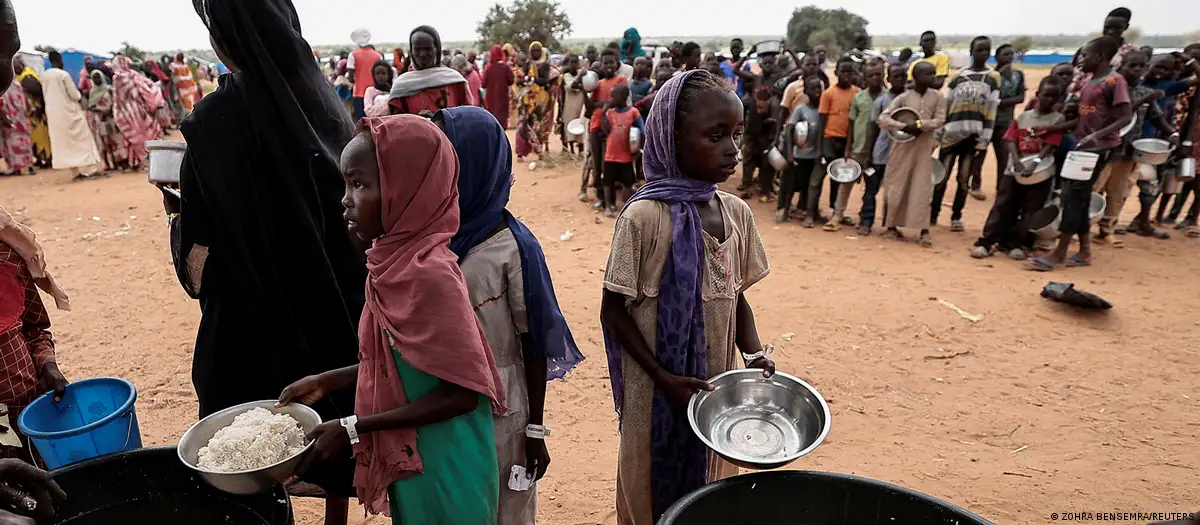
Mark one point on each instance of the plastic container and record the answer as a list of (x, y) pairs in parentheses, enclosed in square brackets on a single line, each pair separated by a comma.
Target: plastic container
[(151, 486), (95, 417), (166, 157), (824, 498), (1080, 165)]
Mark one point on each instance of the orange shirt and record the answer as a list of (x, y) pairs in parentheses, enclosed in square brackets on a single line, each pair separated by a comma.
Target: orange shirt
[(617, 146), (602, 94), (835, 105), (364, 62)]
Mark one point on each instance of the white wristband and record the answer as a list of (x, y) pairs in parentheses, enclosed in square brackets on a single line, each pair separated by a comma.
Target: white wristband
[(537, 431), (348, 424)]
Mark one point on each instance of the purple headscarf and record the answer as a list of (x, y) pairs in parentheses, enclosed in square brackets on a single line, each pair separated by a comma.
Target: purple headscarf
[(678, 457)]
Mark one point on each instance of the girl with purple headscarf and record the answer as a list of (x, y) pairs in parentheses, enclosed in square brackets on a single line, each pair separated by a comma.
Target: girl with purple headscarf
[(683, 254)]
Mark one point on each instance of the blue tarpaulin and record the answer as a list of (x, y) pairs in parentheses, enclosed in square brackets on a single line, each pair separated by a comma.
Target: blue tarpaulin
[(73, 61)]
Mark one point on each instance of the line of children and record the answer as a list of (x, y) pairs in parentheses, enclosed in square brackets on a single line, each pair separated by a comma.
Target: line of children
[(861, 143), (595, 105)]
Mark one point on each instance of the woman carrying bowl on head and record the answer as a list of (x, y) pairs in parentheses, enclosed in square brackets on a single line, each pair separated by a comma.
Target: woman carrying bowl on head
[(258, 236)]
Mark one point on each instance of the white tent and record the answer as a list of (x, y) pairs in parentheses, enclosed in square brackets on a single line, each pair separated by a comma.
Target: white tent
[(33, 59)]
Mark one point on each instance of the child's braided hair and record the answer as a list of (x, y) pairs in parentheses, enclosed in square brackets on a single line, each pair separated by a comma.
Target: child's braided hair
[(700, 81)]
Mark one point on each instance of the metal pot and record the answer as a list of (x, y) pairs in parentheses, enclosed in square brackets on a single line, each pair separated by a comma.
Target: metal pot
[(777, 160), (591, 80), (1044, 222), (166, 157), (800, 135), (939, 171), (635, 140), (907, 116), (844, 171), (1152, 151), (1042, 172), (1096, 208), (1186, 170)]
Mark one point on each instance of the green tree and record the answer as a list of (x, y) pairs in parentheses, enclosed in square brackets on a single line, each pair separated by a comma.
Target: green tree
[(1133, 34), (825, 37), (522, 23), (131, 51), (838, 28), (1022, 45)]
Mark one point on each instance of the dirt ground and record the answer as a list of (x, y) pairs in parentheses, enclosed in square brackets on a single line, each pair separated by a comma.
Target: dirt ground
[(1032, 410)]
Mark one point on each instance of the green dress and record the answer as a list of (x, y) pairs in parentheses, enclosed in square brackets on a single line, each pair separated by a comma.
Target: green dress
[(461, 482)]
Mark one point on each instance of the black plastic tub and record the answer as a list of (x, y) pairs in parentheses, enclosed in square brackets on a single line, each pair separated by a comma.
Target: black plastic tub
[(150, 486), (811, 498)]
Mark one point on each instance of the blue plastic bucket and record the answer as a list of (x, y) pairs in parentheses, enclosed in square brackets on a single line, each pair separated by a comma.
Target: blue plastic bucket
[(95, 417)]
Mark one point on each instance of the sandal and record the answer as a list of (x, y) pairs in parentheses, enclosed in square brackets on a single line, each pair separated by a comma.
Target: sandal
[(1039, 264), (957, 226), (864, 231), (808, 223), (1150, 231), (832, 226), (847, 220), (1193, 232), (1017, 254), (981, 252), (926, 240), (1075, 261), (893, 235)]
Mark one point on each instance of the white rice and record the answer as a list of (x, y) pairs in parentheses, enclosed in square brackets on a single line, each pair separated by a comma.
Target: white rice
[(257, 438)]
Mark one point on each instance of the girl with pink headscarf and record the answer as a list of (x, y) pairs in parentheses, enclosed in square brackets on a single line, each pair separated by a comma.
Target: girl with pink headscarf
[(426, 383)]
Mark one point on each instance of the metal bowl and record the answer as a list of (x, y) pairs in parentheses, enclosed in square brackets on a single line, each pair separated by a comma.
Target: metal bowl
[(939, 171), (577, 127), (166, 158), (776, 158), (591, 80), (635, 140), (1128, 127), (1044, 169), (759, 423), (907, 116), (1044, 223), (844, 171), (800, 135), (1152, 151), (1096, 208), (250, 481)]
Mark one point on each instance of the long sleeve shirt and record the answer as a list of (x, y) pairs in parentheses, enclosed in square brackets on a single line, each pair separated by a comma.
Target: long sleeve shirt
[(26, 344)]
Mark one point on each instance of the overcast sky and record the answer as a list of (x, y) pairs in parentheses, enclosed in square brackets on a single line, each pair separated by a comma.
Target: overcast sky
[(169, 24)]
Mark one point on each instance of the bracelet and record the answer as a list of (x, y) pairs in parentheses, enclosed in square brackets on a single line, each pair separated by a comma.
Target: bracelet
[(348, 424), (537, 431), (750, 358), (171, 217)]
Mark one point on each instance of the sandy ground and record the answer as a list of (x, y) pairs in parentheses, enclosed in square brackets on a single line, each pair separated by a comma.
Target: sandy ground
[(1032, 410)]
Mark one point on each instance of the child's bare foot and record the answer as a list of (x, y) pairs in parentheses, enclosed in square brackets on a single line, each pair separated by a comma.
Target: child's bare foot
[(583, 196), (893, 234), (1079, 260), (978, 195), (864, 230), (808, 223), (981, 252)]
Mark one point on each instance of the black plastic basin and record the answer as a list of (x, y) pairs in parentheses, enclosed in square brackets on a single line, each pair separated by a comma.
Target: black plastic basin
[(816, 498), (150, 486)]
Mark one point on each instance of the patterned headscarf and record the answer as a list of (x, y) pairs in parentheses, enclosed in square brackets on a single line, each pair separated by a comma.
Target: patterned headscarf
[(22, 239), (677, 455)]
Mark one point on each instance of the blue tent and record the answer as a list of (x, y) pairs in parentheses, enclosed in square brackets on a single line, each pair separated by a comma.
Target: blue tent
[(73, 61)]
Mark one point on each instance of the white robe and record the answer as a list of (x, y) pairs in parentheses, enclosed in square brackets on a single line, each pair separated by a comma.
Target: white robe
[(71, 140)]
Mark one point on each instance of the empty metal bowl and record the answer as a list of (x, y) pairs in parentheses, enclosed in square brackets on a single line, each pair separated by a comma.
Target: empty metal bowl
[(757, 422), (939, 171), (844, 171), (1152, 151), (250, 481), (907, 116), (1044, 223), (578, 127), (1096, 208), (1042, 171)]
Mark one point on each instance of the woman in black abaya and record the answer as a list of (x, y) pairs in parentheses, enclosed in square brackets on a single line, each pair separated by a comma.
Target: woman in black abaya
[(259, 238)]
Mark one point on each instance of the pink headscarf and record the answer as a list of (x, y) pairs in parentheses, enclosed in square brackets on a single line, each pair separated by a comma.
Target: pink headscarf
[(416, 299)]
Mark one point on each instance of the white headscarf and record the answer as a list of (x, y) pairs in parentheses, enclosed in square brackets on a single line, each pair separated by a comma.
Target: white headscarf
[(361, 36)]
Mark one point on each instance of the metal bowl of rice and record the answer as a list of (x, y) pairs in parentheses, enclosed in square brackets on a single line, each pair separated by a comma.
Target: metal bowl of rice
[(233, 476)]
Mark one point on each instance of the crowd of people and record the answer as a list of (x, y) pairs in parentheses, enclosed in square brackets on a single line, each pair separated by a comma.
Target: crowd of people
[(425, 337), (98, 122)]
